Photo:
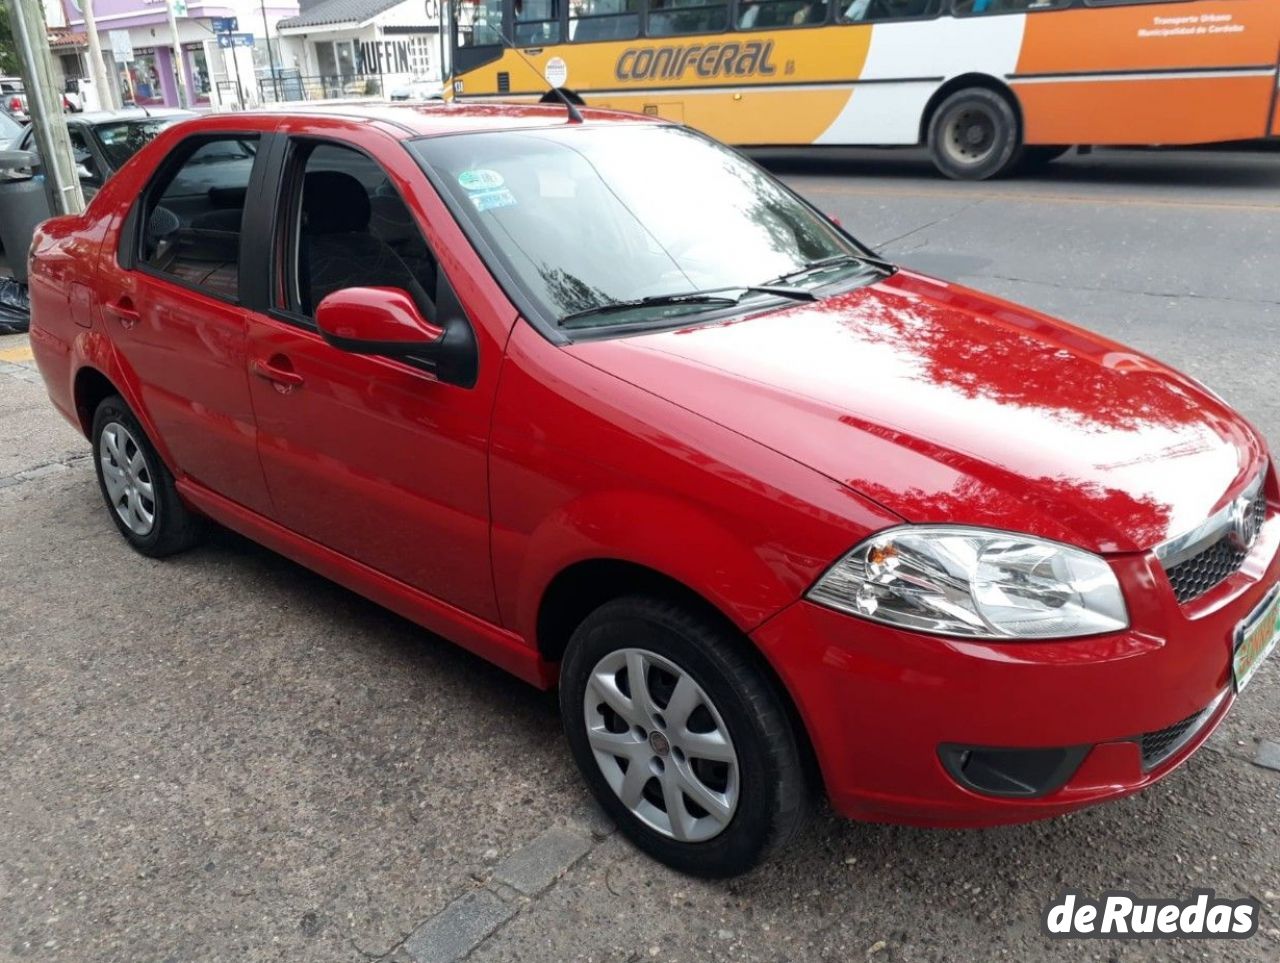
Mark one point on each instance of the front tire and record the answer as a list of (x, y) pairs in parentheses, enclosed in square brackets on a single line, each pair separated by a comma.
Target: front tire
[(697, 762), (974, 135), (137, 486)]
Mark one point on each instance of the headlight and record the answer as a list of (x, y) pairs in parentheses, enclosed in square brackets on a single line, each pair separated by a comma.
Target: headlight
[(975, 582)]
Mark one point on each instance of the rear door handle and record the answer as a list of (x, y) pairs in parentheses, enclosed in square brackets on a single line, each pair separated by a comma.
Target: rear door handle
[(275, 371), (122, 310)]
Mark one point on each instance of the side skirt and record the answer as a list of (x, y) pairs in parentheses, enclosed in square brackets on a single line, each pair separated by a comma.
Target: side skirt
[(498, 645)]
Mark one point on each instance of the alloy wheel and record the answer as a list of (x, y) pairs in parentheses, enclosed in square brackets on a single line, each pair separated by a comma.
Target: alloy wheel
[(661, 745), (127, 478)]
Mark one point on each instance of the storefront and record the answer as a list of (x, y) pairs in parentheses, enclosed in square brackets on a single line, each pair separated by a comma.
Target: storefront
[(150, 77), (352, 48)]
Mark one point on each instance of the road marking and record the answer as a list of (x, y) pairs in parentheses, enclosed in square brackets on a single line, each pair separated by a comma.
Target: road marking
[(17, 355), (1101, 201)]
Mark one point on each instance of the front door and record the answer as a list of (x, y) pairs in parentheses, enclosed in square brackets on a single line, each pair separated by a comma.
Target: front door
[(369, 456), (176, 317)]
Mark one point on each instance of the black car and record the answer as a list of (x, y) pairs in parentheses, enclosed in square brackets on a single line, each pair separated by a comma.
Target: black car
[(104, 140)]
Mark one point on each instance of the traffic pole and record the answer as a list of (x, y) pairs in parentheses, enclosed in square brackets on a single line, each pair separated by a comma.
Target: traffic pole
[(271, 58), (44, 104), (184, 98), (108, 94)]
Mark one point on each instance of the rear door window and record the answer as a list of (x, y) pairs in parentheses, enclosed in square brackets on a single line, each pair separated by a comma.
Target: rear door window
[(192, 214)]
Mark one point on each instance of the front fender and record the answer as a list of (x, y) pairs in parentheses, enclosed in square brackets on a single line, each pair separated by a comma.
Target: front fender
[(662, 533)]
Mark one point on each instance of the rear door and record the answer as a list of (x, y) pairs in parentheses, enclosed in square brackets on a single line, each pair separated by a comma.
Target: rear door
[(176, 313)]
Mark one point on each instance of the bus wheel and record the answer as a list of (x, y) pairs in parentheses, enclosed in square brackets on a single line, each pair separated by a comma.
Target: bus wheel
[(974, 134)]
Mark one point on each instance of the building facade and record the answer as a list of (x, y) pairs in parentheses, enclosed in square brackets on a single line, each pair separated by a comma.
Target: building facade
[(371, 48), (216, 77)]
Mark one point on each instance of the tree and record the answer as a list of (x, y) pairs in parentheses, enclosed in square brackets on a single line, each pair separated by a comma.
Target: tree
[(8, 50)]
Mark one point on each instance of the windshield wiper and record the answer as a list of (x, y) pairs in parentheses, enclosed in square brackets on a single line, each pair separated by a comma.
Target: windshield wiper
[(710, 296), (833, 261)]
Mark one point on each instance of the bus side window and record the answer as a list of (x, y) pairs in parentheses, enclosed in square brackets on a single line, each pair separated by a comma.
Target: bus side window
[(537, 22), (970, 7), (869, 11), (480, 23), (604, 20), (762, 14), (669, 17)]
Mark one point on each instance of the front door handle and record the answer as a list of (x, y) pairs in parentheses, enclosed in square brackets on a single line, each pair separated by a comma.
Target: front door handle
[(122, 310), (278, 371)]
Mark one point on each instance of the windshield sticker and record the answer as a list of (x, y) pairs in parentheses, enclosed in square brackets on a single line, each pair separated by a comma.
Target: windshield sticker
[(490, 200), (480, 180)]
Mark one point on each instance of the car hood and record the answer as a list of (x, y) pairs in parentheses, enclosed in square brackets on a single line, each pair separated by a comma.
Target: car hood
[(946, 405)]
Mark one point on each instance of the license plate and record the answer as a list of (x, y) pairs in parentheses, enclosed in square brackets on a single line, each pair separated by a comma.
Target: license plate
[(1255, 638)]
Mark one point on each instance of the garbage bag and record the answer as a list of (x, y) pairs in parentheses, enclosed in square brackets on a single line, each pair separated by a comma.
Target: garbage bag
[(15, 307)]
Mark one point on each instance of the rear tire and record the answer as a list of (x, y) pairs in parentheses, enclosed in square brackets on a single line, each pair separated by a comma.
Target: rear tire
[(706, 737), (974, 135), (137, 486)]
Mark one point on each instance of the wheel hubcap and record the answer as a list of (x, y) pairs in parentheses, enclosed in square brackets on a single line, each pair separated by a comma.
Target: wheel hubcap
[(970, 136), (661, 745), (127, 478)]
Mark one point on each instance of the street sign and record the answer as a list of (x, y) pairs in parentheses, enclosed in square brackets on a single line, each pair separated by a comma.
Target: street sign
[(229, 40), (121, 46), (224, 24)]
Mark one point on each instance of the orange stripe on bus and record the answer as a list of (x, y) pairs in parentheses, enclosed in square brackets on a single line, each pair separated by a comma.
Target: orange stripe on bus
[(1213, 33), (1192, 110)]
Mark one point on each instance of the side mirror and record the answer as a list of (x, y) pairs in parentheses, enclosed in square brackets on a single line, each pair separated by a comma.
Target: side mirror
[(382, 321), (387, 321), (18, 165)]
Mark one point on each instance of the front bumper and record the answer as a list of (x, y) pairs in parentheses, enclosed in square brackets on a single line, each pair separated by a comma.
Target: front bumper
[(880, 703)]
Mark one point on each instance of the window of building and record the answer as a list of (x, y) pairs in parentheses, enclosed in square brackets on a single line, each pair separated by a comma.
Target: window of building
[(420, 57), (145, 78), (671, 17), (604, 20), (191, 219), (349, 227)]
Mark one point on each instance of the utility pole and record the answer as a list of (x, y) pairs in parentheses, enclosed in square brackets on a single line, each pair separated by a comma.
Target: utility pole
[(184, 98), (108, 95), (271, 58), (44, 104)]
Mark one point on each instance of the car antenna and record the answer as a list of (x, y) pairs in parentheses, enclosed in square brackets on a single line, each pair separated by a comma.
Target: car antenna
[(575, 116)]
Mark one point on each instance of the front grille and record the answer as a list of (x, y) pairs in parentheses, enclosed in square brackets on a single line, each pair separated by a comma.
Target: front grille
[(1195, 576), (1159, 746)]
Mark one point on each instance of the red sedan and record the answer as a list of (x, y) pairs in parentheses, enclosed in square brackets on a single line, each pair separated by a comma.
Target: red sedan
[(605, 403)]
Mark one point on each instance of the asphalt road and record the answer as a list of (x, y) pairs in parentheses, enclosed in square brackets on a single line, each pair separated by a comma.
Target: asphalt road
[(225, 757)]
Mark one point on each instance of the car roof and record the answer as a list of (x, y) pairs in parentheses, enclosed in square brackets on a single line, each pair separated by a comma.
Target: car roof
[(129, 113), (438, 118)]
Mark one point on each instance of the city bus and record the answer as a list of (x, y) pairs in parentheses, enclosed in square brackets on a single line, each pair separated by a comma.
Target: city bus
[(990, 86)]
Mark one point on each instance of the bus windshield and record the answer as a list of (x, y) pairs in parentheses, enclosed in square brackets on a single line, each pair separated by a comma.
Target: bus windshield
[(634, 215)]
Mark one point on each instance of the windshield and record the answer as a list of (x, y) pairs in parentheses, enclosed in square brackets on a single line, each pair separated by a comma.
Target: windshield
[(634, 219), (122, 139)]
